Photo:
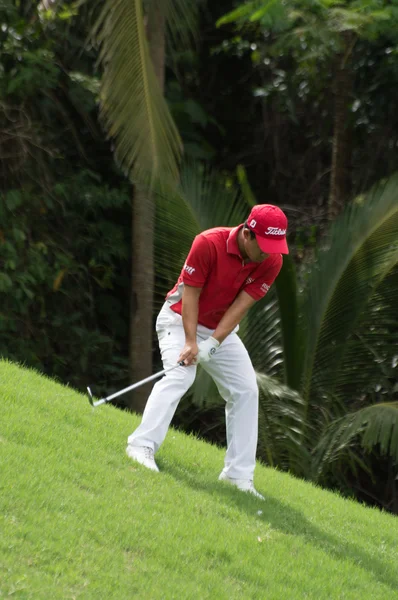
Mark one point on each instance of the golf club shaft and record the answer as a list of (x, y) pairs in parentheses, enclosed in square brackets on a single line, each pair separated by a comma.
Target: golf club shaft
[(136, 385)]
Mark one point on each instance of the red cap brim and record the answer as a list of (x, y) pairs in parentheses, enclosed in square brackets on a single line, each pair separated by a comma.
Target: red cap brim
[(272, 246)]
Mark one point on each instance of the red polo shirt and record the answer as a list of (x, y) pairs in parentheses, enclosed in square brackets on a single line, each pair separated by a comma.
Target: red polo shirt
[(215, 264)]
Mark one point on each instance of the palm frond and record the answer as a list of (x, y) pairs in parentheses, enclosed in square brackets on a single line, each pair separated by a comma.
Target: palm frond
[(261, 333), (132, 108), (361, 253), (375, 425), (370, 350), (288, 303), (282, 437), (212, 198), (203, 199), (245, 186), (182, 21)]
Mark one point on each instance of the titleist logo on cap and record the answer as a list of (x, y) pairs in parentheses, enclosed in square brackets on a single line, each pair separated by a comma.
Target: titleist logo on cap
[(275, 231), (269, 223)]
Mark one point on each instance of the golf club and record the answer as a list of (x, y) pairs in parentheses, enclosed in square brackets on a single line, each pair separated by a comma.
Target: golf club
[(131, 387)]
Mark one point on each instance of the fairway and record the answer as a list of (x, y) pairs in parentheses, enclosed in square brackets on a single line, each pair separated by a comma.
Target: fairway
[(79, 520)]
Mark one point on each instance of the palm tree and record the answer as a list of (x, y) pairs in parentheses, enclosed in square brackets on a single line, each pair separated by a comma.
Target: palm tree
[(325, 348), (132, 39)]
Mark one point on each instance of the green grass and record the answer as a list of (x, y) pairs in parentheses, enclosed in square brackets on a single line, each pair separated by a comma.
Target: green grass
[(78, 519)]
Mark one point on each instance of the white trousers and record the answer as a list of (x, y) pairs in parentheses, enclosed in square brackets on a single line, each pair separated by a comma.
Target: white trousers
[(233, 373)]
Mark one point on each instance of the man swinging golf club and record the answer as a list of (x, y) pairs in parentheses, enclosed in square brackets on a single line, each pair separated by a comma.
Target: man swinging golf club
[(227, 270)]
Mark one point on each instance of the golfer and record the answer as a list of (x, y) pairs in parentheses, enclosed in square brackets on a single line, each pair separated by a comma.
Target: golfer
[(227, 270)]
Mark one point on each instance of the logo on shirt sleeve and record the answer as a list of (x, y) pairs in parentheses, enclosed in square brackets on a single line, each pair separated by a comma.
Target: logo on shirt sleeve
[(189, 270), (265, 287)]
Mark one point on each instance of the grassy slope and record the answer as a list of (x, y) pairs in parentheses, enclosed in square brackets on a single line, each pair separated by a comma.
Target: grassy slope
[(79, 520)]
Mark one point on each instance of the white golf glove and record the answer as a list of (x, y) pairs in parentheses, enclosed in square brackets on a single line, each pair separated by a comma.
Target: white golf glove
[(206, 349)]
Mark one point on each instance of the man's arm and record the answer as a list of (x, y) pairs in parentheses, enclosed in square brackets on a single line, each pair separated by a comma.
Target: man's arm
[(233, 316), (190, 311)]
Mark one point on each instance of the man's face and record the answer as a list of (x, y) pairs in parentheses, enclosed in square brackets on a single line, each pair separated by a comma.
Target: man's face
[(252, 249)]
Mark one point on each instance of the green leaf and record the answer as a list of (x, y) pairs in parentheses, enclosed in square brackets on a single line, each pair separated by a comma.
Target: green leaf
[(132, 107), (281, 426), (10, 264), (14, 199), (196, 112), (244, 10), (182, 20), (18, 234), (260, 331), (286, 286), (5, 282), (245, 186), (360, 254), (375, 425), (259, 14), (271, 14)]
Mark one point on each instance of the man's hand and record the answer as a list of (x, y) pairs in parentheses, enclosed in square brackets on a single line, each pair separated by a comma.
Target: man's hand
[(189, 353), (207, 348)]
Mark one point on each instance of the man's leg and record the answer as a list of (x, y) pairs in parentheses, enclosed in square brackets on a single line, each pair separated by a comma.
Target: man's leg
[(167, 392), (233, 373)]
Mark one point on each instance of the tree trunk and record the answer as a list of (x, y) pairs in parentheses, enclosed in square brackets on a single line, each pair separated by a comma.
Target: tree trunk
[(340, 179), (143, 225)]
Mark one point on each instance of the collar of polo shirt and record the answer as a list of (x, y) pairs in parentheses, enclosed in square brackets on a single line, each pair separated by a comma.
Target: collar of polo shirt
[(232, 242)]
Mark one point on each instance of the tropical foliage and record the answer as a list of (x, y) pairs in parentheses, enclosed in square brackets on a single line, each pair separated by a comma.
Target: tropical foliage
[(320, 38)]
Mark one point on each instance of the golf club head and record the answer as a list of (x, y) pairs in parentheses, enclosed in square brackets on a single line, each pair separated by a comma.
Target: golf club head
[(90, 396)]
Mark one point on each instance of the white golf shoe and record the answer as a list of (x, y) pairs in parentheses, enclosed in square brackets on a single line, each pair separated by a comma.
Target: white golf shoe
[(245, 485), (143, 455)]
